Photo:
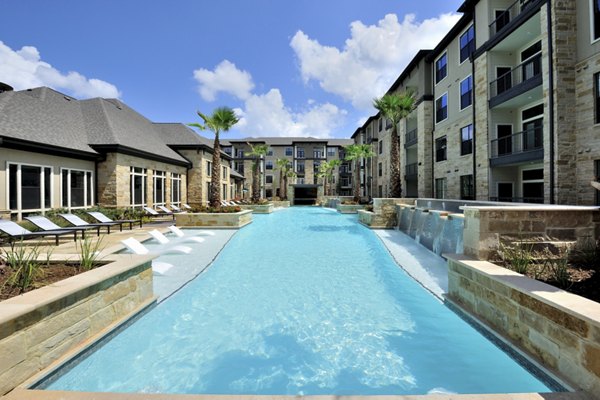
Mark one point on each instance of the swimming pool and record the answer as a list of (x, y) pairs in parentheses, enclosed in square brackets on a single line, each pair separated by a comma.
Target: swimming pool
[(302, 301)]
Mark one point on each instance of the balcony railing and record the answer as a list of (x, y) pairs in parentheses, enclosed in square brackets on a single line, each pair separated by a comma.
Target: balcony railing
[(411, 169), (520, 142), (510, 14), (522, 73), (410, 137)]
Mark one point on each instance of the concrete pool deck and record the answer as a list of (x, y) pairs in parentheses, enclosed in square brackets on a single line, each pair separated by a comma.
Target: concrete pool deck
[(21, 394)]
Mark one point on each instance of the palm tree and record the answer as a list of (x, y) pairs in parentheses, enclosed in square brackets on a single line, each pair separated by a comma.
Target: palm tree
[(258, 152), (395, 107), (326, 172), (221, 120), (284, 166), (356, 152)]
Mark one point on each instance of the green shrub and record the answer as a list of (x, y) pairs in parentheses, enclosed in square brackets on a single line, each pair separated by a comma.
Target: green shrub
[(89, 251), (517, 257), (586, 254), (217, 210), (24, 264)]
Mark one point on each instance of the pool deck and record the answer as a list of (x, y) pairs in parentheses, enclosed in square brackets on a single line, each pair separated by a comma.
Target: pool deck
[(427, 268), (20, 394)]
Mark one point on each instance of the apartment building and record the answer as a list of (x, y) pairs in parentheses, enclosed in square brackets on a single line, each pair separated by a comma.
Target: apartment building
[(304, 154), (508, 106), (57, 151)]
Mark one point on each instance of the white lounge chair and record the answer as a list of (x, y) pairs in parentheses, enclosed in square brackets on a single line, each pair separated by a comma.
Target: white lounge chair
[(162, 239), (138, 248), (186, 206), (98, 216), (80, 223), (167, 211), (153, 213), (179, 233)]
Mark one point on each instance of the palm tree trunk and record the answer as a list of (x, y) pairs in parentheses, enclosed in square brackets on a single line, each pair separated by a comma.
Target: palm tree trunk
[(395, 177), (281, 190), (357, 181), (256, 182), (215, 179)]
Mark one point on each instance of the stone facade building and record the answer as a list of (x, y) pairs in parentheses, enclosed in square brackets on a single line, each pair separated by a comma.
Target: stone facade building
[(305, 154), (507, 107), (60, 152)]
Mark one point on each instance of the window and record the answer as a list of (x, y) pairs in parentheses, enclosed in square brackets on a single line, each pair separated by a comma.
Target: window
[(300, 153), (29, 187), (76, 188), (227, 150), (268, 178), (300, 167), (380, 190), (224, 191), (440, 188), (380, 122), (440, 149), (270, 152), (239, 167), (466, 140), (466, 92), (597, 97), (208, 187), (441, 108), (595, 28), (269, 193), (317, 154), (159, 187), (441, 68), (331, 151), (208, 168), (467, 44), (138, 186), (380, 169), (240, 153), (269, 164), (345, 181), (175, 189), (380, 147), (467, 188), (289, 151)]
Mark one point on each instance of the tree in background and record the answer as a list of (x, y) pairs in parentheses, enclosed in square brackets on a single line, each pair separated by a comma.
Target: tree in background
[(259, 151), (357, 152)]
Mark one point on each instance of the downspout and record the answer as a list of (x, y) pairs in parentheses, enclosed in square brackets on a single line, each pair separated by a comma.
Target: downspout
[(474, 140), (551, 100)]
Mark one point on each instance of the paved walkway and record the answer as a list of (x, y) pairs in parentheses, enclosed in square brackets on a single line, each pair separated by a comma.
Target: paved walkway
[(425, 267)]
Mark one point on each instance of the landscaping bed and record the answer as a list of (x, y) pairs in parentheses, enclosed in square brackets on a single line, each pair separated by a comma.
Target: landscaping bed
[(49, 274)]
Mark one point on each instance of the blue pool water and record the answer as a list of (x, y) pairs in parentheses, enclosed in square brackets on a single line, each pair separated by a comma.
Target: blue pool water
[(302, 301)]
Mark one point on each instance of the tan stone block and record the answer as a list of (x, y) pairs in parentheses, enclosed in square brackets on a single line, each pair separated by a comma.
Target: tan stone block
[(18, 374), (53, 325), (591, 358), (75, 336), (13, 351), (78, 330), (101, 319), (545, 349)]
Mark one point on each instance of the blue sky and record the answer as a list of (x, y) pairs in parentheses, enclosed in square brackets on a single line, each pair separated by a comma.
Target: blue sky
[(289, 68)]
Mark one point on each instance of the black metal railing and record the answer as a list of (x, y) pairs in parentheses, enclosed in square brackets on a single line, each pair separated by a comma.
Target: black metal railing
[(520, 142), (411, 169), (511, 13), (411, 137), (523, 72), (537, 200)]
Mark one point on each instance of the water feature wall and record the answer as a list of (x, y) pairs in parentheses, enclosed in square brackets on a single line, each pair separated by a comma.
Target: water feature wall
[(439, 231)]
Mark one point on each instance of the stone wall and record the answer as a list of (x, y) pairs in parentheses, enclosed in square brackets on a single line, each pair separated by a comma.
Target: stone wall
[(481, 132), (559, 329), (258, 208), (383, 215), (223, 220), (39, 327), (486, 226), (114, 182)]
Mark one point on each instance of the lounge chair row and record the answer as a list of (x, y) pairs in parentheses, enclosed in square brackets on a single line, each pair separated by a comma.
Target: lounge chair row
[(50, 229)]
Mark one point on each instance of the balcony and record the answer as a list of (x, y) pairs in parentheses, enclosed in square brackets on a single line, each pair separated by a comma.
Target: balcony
[(515, 10), (517, 148), (411, 138), (522, 78), (411, 171)]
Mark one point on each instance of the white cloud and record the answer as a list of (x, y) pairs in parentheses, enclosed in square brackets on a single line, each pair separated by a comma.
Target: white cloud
[(24, 69), (267, 115), (372, 58), (226, 78)]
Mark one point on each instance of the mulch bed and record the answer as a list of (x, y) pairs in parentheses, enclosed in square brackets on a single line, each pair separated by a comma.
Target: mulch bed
[(583, 282), (50, 274)]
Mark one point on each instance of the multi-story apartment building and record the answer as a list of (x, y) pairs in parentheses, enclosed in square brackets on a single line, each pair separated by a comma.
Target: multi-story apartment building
[(508, 106), (304, 154)]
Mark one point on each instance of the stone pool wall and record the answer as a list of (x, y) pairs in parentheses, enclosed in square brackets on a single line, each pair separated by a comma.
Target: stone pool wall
[(383, 215), (559, 329), (40, 326), (485, 226), (215, 220)]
